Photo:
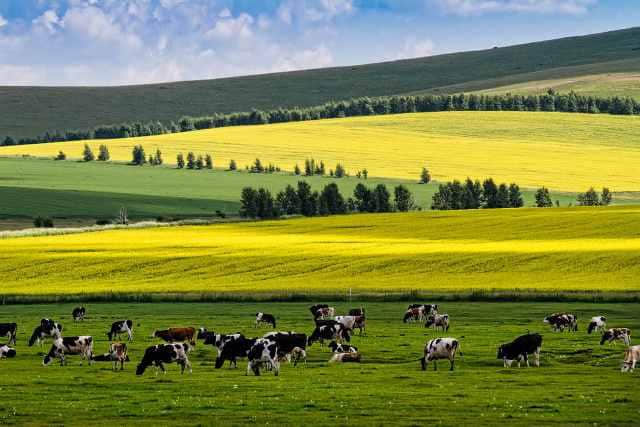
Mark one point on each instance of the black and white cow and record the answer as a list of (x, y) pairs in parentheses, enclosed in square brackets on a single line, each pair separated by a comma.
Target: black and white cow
[(78, 313), (419, 312), (82, 345), (345, 358), (331, 331), (265, 318), (230, 347), (440, 348), (631, 357), (562, 321), (121, 327), (520, 349), (597, 323), (438, 321), (203, 334), (160, 354), (616, 334), (287, 342), (342, 348), (47, 329), (6, 351), (9, 330), (263, 353), (352, 322), (322, 311)]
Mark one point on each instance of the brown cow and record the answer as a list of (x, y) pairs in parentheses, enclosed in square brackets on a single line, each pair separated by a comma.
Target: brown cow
[(172, 335)]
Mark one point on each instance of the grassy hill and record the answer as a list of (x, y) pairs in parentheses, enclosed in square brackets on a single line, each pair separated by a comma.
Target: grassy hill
[(27, 111), (568, 249), (563, 151)]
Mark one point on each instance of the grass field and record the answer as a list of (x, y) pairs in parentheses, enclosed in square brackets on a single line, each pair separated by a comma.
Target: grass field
[(546, 250), (563, 151), (578, 383), (28, 111)]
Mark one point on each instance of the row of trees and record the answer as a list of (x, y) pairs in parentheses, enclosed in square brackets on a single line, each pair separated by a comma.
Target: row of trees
[(550, 101), (302, 200), (194, 162), (471, 194), (311, 168)]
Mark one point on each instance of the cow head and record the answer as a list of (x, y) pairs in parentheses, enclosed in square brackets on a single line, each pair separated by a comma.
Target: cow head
[(608, 335), (501, 353), (202, 333)]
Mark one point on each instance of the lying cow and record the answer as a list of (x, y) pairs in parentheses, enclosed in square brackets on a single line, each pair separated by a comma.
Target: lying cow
[(6, 351), (47, 329), (332, 331), (172, 335), (631, 357), (616, 334), (9, 330), (520, 349), (342, 348), (263, 353), (438, 321), (82, 345), (121, 327), (267, 318), (78, 314), (160, 354), (322, 311), (440, 348), (345, 358), (287, 342), (597, 323), (562, 321), (118, 352)]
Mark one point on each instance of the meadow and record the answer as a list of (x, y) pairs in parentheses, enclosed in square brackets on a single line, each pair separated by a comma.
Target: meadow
[(578, 383), (562, 151), (545, 250)]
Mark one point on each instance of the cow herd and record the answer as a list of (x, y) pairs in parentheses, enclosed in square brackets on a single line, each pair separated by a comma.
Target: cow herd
[(267, 352)]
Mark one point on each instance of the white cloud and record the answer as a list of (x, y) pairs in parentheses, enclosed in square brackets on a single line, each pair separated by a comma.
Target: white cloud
[(96, 24), (414, 48), (19, 75), (49, 20), (308, 58), (236, 28), (225, 13), (3, 21), (474, 7), (313, 10)]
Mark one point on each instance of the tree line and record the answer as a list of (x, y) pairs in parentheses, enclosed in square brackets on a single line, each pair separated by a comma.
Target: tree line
[(471, 194), (365, 106)]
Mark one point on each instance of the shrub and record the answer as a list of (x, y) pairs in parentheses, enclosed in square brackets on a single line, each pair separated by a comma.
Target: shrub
[(60, 156), (232, 165), (87, 154), (103, 153), (180, 161), (138, 155), (191, 160), (425, 176), (208, 161)]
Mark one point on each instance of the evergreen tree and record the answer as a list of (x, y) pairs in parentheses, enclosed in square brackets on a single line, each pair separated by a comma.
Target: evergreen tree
[(403, 199), (503, 196), (472, 194), (515, 197), (309, 167), (248, 203), (265, 207), (87, 154), (425, 176), (490, 194), (232, 165), (308, 205), (441, 199), (208, 161), (320, 170), (180, 161), (543, 199), (288, 201), (138, 156), (365, 173), (257, 166), (381, 197), (363, 199), (158, 157), (606, 197), (296, 170), (333, 200), (152, 160), (9, 141), (199, 162), (103, 153), (191, 160)]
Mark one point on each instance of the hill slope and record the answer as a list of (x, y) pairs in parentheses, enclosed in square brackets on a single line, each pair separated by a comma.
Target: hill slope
[(27, 111)]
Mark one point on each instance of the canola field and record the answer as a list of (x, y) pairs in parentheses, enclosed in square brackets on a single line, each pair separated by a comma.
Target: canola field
[(563, 151), (549, 250)]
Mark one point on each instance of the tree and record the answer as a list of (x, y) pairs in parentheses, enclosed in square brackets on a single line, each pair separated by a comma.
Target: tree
[(441, 199), (208, 161), (333, 200), (308, 200), (232, 165), (543, 199), (248, 206), (365, 173), (340, 171), (180, 161), (381, 197), (363, 199), (257, 167), (60, 156), (103, 153), (490, 194), (515, 197), (403, 199), (158, 157), (320, 170), (288, 201), (8, 141), (87, 154), (265, 207), (472, 194), (503, 196), (309, 167), (199, 162), (296, 170), (606, 197), (589, 198), (425, 176), (138, 156), (191, 160)]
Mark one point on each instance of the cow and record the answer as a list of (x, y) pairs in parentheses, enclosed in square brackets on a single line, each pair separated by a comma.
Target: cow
[(438, 321), (160, 354), (6, 351), (265, 318), (562, 321), (352, 322), (440, 348), (203, 334), (264, 352), (335, 331), (597, 323), (413, 315), (345, 358), (121, 327), (9, 330), (616, 334), (631, 357), (118, 352), (287, 342), (230, 347), (322, 311), (356, 311), (47, 329), (342, 348), (78, 314), (82, 345), (520, 349), (172, 335)]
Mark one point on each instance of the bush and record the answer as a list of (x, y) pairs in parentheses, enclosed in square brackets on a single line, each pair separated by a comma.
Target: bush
[(340, 171), (425, 176), (40, 222), (103, 153), (199, 163), (60, 156), (232, 165), (138, 155), (87, 154), (208, 161), (180, 161), (191, 160)]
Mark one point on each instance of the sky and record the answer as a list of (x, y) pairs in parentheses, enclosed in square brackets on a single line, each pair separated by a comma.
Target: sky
[(119, 42)]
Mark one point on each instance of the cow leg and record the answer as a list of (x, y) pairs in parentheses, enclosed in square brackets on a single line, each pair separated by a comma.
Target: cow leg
[(537, 357), (453, 361), (435, 365), (526, 359), (188, 365), (424, 362), (276, 367)]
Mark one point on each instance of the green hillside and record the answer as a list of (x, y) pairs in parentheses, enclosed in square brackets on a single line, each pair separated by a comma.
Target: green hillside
[(27, 111)]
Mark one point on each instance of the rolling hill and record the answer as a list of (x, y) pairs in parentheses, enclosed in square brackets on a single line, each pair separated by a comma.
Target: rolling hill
[(28, 111)]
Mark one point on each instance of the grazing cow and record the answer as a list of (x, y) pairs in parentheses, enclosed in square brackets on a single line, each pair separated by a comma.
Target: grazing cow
[(78, 314), (342, 348), (616, 334), (440, 348), (597, 323), (160, 354), (121, 327), (562, 321), (345, 358), (287, 342), (82, 345), (335, 331), (438, 321), (203, 334), (9, 330), (6, 351), (352, 322), (47, 329), (264, 352), (520, 349), (230, 347), (172, 335), (265, 318), (631, 357), (322, 311), (413, 314)]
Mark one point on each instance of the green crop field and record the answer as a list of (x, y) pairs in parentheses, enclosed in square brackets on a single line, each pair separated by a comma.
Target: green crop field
[(28, 111), (578, 383)]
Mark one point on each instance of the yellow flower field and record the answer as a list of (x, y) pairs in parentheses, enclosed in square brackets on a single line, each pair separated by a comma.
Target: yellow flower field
[(542, 249), (566, 152)]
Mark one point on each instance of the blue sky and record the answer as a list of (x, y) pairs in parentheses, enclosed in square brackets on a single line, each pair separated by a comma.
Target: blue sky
[(110, 42)]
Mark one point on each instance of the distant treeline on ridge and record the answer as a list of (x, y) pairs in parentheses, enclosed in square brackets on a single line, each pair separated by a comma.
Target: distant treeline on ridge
[(550, 101)]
